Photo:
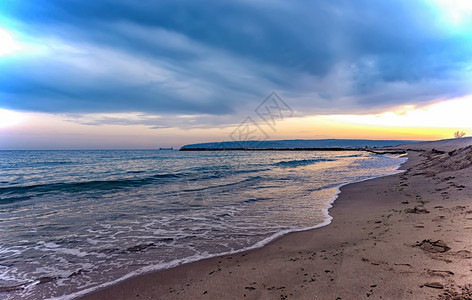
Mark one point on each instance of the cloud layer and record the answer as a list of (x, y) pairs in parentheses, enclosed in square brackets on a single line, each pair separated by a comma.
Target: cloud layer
[(219, 59)]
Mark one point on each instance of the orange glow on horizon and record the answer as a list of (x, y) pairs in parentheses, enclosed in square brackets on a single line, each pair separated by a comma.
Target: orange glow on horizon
[(432, 122)]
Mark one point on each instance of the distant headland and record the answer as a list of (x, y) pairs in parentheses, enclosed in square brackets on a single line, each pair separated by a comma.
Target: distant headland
[(297, 145)]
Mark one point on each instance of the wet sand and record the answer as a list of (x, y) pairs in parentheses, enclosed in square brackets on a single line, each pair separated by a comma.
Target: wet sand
[(406, 236)]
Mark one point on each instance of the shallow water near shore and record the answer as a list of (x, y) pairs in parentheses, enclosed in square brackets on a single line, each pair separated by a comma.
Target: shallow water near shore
[(71, 221)]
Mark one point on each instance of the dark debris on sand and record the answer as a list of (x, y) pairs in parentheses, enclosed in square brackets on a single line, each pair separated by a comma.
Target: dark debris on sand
[(417, 210), (433, 246)]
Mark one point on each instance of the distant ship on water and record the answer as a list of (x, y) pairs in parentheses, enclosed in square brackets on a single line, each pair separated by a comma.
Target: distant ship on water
[(171, 148)]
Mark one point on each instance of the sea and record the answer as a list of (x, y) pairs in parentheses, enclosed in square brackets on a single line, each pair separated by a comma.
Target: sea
[(75, 221)]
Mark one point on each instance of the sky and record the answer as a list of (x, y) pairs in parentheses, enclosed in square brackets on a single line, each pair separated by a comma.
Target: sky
[(147, 74)]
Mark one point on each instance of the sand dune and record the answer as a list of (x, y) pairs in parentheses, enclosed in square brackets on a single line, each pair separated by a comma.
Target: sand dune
[(440, 161), (443, 145)]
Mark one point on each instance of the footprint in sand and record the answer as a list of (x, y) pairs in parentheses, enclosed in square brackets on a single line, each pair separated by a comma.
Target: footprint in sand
[(440, 273), (439, 218)]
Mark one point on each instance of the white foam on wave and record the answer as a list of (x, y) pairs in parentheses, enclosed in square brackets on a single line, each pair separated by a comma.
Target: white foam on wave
[(92, 241), (49, 244), (4, 274), (201, 256), (6, 252), (74, 252)]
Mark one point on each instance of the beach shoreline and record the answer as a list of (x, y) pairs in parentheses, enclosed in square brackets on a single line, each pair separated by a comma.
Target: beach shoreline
[(374, 246)]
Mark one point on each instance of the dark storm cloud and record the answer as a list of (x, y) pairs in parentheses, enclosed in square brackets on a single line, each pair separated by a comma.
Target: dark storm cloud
[(223, 57)]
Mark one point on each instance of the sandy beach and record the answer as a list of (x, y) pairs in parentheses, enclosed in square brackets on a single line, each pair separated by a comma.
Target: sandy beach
[(405, 236), (235, 149)]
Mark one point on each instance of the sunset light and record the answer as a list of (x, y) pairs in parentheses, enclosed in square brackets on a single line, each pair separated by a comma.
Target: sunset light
[(214, 149), (10, 118), (445, 114)]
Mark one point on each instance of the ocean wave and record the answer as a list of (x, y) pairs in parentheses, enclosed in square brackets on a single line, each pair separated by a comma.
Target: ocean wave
[(300, 162), (202, 187), (252, 200), (36, 164), (19, 193), (352, 155), (16, 193), (223, 172)]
